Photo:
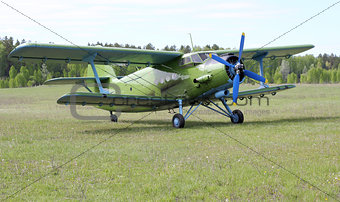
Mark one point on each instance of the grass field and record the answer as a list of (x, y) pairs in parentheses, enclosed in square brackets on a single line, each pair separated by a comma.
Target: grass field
[(147, 159)]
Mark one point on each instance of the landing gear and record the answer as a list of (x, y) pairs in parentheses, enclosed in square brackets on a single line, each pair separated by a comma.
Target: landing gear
[(113, 117), (237, 117), (178, 121)]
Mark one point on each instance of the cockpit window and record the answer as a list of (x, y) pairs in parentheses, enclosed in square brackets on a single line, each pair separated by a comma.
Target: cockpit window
[(193, 60), (203, 56), (196, 59), (185, 61)]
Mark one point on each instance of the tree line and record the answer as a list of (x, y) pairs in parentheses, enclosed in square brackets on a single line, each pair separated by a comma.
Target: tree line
[(299, 69)]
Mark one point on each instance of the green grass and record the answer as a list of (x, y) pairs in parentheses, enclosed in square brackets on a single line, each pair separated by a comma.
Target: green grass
[(150, 160)]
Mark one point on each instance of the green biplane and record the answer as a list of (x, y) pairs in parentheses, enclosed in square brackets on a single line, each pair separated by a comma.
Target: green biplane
[(169, 80)]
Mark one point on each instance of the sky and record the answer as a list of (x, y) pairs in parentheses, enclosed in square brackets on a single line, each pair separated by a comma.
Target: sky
[(166, 22)]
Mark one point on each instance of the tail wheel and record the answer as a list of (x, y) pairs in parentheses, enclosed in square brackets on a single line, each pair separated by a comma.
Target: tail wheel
[(178, 121), (114, 118), (238, 117)]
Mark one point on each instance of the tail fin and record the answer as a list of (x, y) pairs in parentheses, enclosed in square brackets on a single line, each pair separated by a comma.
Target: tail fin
[(102, 70)]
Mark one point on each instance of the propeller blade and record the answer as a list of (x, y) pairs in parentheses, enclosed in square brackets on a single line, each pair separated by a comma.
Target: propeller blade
[(236, 84), (241, 47), (220, 60), (255, 76)]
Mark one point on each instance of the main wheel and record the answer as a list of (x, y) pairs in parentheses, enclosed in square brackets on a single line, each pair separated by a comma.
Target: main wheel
[(178, 121), (239, 117), (114, 118)]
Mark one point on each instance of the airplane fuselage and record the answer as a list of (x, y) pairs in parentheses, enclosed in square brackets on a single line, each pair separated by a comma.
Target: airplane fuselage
[(188, 83)]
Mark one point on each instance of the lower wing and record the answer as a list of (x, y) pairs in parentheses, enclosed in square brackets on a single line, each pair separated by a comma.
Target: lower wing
[(114, 102), (262, 91), (74, 80)]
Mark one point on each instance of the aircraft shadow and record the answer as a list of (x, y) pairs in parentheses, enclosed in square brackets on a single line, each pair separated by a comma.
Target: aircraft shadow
[(226, 121), (151, 125)]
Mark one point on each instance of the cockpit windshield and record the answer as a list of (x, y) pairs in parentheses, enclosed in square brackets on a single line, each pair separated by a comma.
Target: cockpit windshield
[(203, 56), (196, 59), (193, 59)]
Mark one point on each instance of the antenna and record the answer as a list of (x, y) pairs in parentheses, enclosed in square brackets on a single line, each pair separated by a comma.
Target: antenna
[(192, 44)]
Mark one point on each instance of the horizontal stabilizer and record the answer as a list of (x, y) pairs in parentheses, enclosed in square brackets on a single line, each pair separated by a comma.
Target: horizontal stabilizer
[(74, 80), (262, 91)]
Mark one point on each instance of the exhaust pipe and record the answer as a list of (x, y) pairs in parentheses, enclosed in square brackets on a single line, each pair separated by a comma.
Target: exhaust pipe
[(221, 93)]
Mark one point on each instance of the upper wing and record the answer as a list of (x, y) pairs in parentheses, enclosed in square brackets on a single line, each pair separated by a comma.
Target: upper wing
[(271, 52), (75, 54)]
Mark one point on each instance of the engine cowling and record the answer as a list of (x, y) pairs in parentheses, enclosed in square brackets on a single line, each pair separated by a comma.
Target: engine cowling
[(231, 71)]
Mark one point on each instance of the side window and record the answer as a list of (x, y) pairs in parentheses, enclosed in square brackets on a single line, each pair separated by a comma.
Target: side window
[(185, 61)]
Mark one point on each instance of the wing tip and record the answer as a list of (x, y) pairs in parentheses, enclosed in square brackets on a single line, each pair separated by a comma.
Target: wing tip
[(309, 46)]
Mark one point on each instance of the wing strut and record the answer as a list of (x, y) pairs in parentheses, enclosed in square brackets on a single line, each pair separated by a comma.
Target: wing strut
[(90, 60), (259, 58)]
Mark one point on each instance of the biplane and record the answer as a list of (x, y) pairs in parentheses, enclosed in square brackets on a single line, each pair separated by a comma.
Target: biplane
[(170, 80)]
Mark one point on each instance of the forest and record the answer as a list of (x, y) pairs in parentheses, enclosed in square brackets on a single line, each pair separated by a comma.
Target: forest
[(322, 69)]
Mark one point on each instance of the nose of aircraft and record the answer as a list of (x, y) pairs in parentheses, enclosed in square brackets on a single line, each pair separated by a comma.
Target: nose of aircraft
[(238, 69)]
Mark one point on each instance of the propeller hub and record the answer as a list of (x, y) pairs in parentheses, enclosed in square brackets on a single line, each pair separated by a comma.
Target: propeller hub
[(238, 66)]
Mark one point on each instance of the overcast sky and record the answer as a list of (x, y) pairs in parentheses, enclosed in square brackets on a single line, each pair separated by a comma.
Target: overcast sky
[(140, 22)]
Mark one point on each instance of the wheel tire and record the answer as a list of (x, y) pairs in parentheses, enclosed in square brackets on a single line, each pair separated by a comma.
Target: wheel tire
[(114, 118), (178, 121), (239, 114)]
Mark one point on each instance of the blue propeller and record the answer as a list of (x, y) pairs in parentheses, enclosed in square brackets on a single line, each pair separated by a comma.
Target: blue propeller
[(238, 67), (220, 60), (254, 76), (236, 84), (241, 48)]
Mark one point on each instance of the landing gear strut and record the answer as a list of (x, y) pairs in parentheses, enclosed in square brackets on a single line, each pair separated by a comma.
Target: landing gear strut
[(235, 116), (178, 120), (113, 117)]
